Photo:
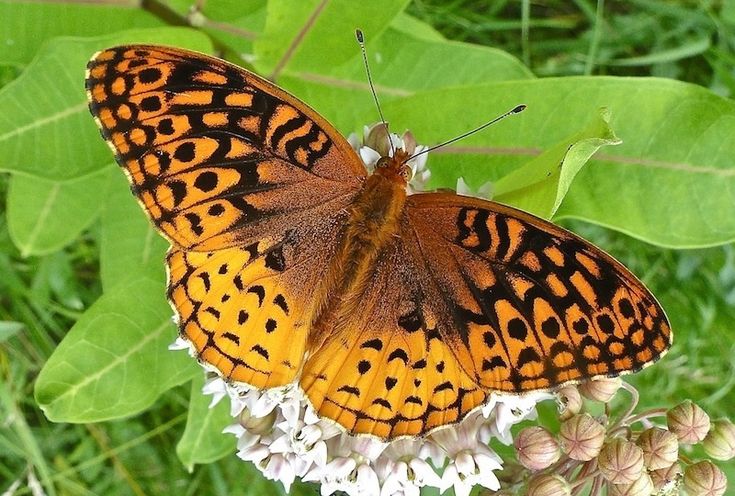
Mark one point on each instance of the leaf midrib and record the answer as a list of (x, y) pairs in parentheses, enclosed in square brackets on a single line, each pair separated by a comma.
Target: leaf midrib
[(74, 388), (44, 121)]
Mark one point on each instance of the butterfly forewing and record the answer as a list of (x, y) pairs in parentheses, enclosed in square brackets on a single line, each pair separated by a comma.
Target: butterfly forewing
[(212, 150), (529, 305), (249, 185)]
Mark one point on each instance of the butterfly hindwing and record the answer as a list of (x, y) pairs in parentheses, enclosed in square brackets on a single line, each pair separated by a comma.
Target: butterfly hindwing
[(386, 370), (216, 155), (475, 297), (247, 309)]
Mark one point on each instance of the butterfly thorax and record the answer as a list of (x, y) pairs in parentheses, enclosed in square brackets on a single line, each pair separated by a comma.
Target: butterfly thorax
[(374, 220)]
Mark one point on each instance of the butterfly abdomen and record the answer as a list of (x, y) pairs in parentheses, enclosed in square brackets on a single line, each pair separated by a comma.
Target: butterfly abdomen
[(374, 220)]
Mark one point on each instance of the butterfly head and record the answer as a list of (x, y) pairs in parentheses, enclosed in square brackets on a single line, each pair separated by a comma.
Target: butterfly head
[(396, 167)]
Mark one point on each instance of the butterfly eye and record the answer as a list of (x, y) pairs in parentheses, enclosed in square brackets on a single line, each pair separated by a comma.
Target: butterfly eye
[(406, 173), (383, 162)]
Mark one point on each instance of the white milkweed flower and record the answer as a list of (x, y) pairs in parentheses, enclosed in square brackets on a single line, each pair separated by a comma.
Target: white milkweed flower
[(484, 191), (281, 434), (377, 142)]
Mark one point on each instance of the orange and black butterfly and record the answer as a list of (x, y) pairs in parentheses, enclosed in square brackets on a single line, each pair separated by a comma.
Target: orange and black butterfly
[(395, 313)]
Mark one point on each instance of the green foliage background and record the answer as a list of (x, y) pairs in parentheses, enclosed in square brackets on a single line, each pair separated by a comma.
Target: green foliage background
[(91, 401)]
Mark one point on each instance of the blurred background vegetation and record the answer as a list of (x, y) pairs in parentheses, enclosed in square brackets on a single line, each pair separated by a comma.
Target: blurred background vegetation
[(41, 297)]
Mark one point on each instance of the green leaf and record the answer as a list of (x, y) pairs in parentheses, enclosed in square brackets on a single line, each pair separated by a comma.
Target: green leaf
[(415, 28), (203, 440), (694, 47), (130, 248), (45, 127), (44, 215), (671, 182), (27, 25), (234, 23), (541, 184), (8, 329), (433, 64), (114, 362), (316, 35)]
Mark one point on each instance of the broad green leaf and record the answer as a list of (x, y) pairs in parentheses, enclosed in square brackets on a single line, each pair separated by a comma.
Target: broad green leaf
[(234, 22), (541, 184), (316, 35), (44, 215), (27, 25), (114, 362), (401, 64), (203, 440), (8, 329), (45, 127), (129, 245), (671, 182), (416, 28)]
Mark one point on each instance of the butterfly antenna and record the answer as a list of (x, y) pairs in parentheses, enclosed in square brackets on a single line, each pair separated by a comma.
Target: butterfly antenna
[(361, 40), (516, 110)]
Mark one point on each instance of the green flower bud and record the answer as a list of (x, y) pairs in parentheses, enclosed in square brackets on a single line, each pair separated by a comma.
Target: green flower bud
[(643, 486), (570, 401), (620, 461), (704, 479), (660, 448), (600, 389), (548, 485), (536, 448), (666, 479), (720, 441), (689, 422), (581, 437)]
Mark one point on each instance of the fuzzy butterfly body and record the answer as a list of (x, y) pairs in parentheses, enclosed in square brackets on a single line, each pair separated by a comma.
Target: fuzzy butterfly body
[(395, 314)]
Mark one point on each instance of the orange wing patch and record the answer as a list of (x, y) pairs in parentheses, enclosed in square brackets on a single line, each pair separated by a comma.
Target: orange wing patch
[(247, 310), (240, 319), (388, 370)]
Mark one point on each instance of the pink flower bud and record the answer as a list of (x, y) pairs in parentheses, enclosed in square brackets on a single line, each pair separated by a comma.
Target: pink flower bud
[(570, 401), (665, 479), (378, 139), (581, 437), (536, 448), (720, 441), (689, 422), (643, 486), (704, 479), (660, 448), (548, 485), (600, 389), (620, 461)]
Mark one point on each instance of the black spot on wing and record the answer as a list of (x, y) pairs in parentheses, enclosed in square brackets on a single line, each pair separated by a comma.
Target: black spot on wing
[(258, 290), (399, 354)]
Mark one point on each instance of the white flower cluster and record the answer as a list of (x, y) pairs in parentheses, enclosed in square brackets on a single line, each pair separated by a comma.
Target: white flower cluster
[(282, 435), (375, 144)]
